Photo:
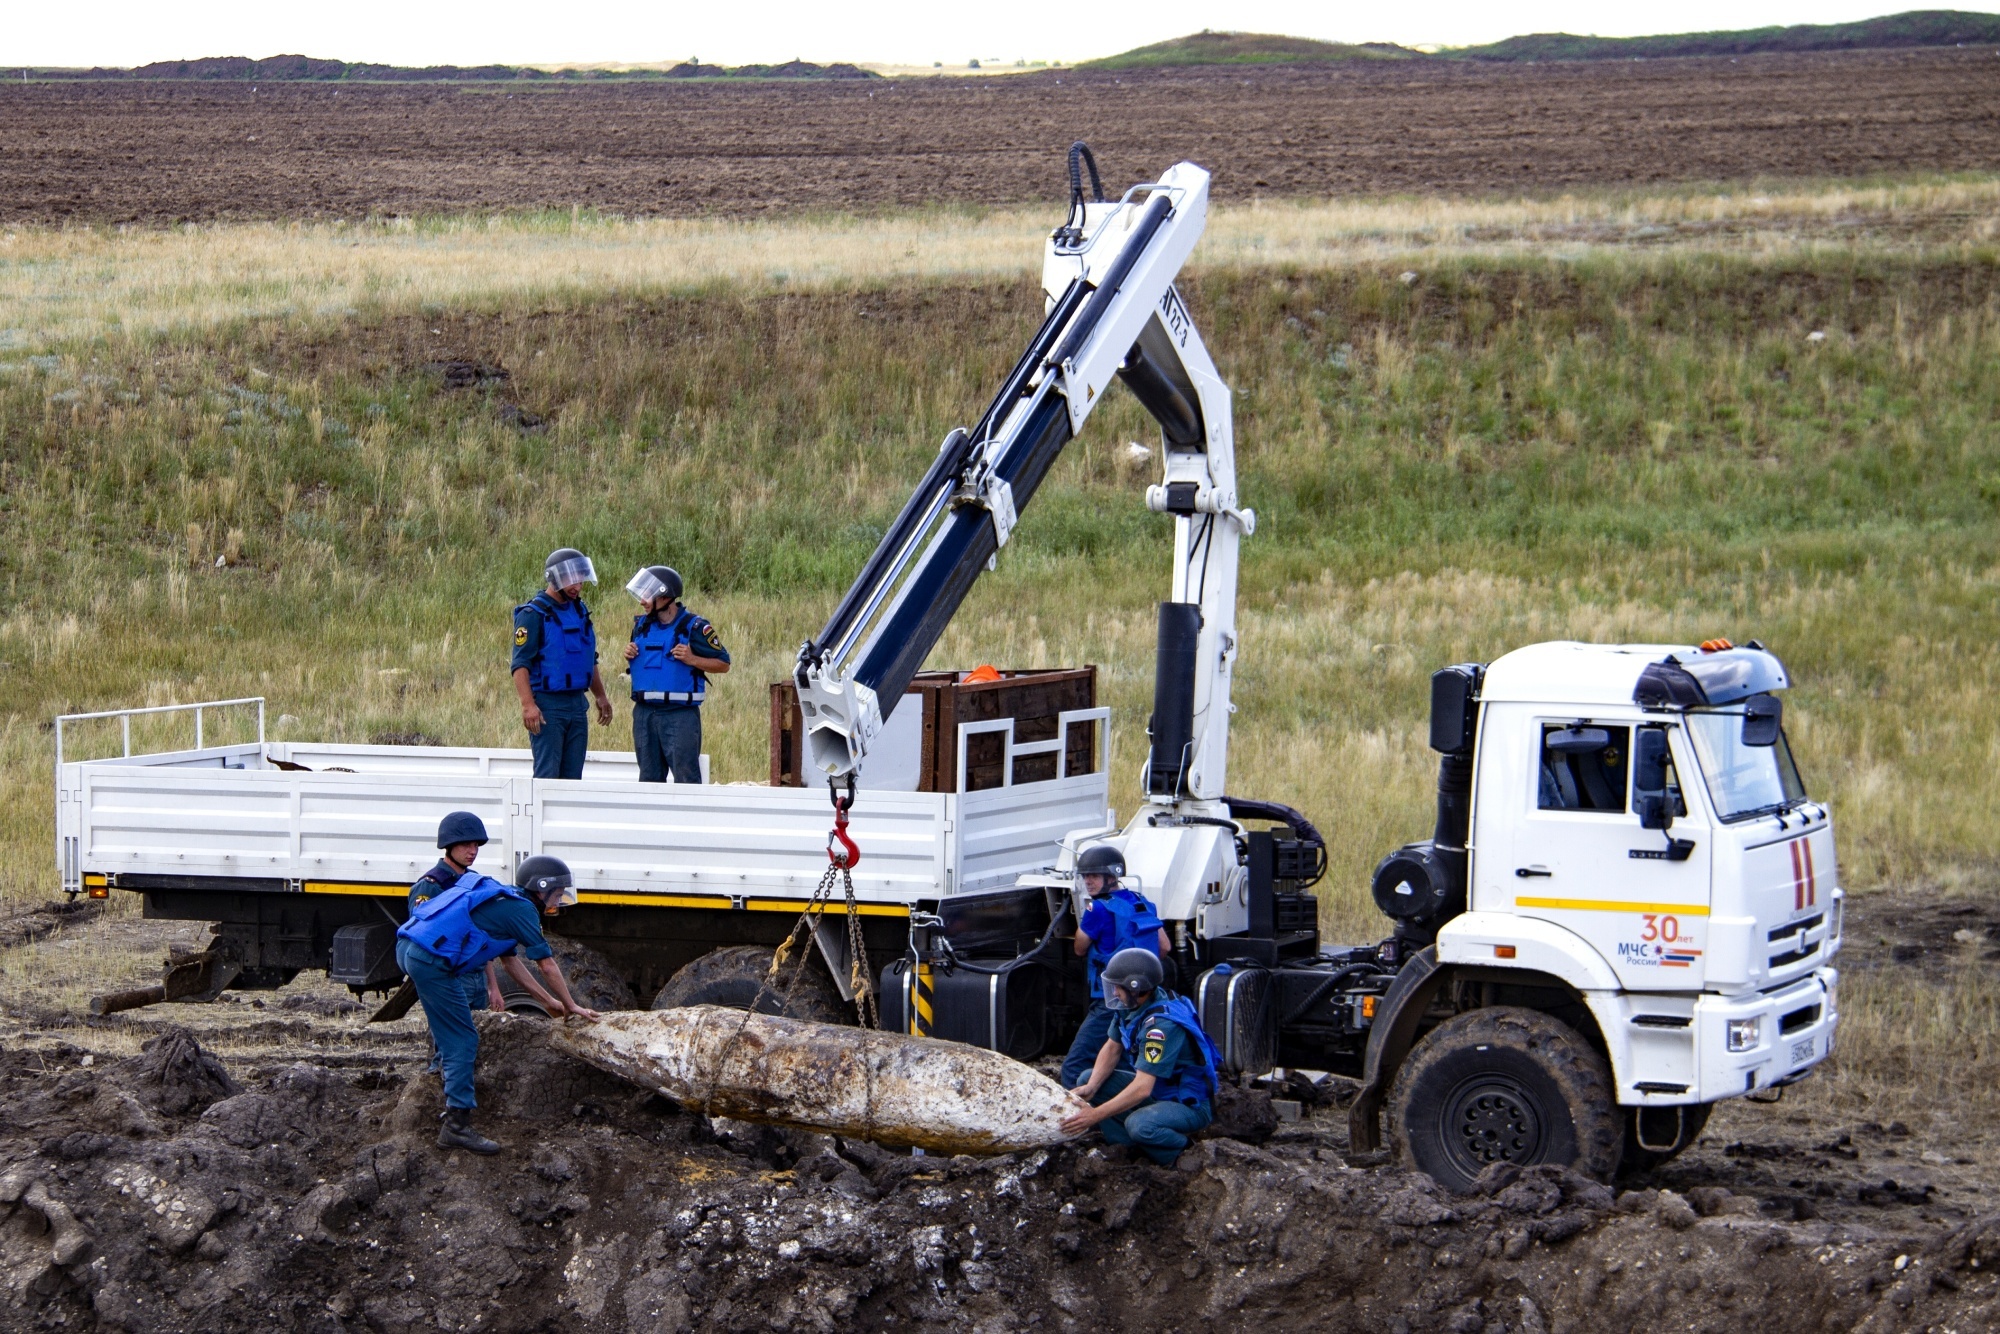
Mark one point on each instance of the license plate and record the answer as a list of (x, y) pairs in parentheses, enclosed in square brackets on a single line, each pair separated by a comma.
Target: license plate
[(1802, 1051)]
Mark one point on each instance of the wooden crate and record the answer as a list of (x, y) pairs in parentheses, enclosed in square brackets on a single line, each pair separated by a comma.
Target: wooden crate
[(1034, 700)]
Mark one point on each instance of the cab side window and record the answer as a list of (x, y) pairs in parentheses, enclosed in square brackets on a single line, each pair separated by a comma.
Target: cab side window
[(1583, 767)]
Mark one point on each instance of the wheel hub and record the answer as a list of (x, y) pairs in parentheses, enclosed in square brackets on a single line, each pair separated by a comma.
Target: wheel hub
[(1492, 1120)]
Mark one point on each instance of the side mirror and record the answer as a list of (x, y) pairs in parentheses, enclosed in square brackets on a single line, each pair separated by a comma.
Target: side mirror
[(1577, 740), (1763, 716), (1650, 798)]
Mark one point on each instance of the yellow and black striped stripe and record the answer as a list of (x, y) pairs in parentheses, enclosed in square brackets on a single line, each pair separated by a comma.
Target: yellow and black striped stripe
[(921, 1012)]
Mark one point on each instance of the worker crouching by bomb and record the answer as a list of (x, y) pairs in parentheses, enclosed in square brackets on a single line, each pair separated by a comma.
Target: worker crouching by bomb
[(1165, 1099), (1116, 919), (450, 937), (672, 654)]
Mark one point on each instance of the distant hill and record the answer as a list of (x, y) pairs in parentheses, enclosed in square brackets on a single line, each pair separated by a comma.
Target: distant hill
[(1921, 27), (283, 69), (1245, 48)]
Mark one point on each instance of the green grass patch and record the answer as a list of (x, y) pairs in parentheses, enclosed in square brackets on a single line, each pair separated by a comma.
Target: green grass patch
[(1914, 28), (1245, 48), (1490, 453)]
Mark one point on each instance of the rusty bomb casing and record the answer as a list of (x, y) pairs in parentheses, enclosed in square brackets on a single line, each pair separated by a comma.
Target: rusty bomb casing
[(890, 1088)]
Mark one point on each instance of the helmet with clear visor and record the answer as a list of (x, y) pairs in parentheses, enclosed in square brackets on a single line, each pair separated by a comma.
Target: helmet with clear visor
[(655, 581), (568, 568)]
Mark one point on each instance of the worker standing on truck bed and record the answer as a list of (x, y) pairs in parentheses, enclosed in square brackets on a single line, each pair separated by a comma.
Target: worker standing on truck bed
[(555, 661), (1117, 919), (1165, 1098), (672, 654), (452, 936)]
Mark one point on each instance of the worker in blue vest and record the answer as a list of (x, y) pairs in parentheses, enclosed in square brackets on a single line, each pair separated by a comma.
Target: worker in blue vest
[(672, 654), (555, 661), (1117, 918), (1166, 1096), (451, 936), (461, 835)]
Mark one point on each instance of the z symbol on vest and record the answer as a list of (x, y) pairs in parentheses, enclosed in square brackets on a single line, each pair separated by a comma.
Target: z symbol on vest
[(520, 635)]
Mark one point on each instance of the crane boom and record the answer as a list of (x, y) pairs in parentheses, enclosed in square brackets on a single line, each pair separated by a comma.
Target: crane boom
[(1112, 310)]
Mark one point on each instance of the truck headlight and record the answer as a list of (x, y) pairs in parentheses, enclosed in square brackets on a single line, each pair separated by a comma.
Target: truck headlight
[(1743, 1033), (1834, 916)]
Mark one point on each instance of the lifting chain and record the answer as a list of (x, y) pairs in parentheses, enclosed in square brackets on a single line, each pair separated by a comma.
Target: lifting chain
[(841, 855)]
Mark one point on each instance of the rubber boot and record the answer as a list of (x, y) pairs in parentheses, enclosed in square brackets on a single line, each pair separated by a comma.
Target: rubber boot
[(457, 1133)]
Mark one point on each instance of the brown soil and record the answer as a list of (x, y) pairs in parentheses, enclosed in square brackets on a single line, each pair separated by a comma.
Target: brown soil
[(152, 151), (263, 1171)]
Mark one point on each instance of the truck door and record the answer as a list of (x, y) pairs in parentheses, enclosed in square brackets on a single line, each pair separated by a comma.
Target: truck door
[(1584, 860)]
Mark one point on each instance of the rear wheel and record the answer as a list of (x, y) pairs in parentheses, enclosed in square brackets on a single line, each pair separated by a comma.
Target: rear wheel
[(1505, 1085), (736, 976), (593, 982)]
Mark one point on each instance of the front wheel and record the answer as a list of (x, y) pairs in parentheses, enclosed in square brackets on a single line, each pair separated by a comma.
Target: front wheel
[(1505, 1085)]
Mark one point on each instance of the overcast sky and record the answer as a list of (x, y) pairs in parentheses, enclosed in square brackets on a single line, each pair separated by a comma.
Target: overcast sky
[(134, 32)]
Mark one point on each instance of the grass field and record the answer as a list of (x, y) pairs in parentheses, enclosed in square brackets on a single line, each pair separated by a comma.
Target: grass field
[(226, 470)]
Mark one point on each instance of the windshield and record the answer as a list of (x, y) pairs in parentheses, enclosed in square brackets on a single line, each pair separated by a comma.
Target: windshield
[(1743, 780)]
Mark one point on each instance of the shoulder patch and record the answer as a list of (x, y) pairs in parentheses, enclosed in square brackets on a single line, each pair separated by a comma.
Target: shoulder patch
[(520, 635), (708, 633), (1153, 1052), (1156, 1035)]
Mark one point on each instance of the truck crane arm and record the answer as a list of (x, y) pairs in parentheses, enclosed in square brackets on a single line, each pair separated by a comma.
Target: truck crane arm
[(1108, 278)]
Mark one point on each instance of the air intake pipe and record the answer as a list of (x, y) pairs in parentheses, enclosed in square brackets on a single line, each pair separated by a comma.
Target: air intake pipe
[(1423, 885)]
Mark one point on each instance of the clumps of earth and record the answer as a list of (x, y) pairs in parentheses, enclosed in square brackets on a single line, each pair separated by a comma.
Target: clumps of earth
[(170, 1192)]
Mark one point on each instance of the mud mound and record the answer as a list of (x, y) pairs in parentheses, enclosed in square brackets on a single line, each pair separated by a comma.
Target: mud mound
[(175, 1076), (313, 1200)]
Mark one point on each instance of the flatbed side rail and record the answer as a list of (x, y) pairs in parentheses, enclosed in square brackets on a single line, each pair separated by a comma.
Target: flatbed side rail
[(125, 717), (68, 850)]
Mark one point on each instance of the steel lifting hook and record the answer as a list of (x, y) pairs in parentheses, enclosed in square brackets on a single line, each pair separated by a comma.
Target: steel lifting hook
[(841, 849)]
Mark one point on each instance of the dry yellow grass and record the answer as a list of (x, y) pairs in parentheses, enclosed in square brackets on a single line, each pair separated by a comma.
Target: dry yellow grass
[(59, 284)]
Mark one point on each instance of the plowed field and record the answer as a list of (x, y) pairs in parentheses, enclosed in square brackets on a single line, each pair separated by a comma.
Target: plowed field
[(161, 152)]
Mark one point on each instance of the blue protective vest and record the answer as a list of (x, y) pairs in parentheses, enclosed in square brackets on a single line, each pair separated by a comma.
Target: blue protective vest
[(569, 646), (443, 923), (1187, 1081), (658, 676), (1134, 925)]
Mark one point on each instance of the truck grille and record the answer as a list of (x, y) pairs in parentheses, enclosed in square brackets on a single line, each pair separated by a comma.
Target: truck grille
[(1793, 928), (1790, 957)]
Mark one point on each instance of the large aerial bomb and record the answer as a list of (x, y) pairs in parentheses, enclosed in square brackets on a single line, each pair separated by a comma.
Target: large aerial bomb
[(890, 1088)]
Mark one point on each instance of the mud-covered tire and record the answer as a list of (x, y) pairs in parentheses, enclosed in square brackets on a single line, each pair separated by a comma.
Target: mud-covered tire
[(1505, 1085), (593, 982), (735, 976), (1637, 1158)]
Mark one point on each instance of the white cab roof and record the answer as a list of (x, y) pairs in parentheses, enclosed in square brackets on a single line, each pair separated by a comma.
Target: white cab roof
[(1570, 674)]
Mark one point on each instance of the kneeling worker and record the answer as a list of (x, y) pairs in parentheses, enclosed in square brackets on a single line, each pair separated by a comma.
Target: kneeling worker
[(673, 653), (1167, 1096), (1117, 919), (450, 937)]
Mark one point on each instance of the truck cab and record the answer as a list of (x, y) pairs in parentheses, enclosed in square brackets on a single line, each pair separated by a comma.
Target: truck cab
[(1639, 828), (1625, 845)]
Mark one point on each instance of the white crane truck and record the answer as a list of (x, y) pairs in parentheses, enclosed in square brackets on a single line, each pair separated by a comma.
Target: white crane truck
[(1627, 912)]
